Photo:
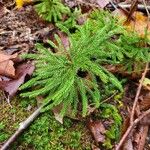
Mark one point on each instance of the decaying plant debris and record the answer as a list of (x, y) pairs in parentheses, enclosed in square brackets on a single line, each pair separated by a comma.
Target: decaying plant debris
[(83, 60)]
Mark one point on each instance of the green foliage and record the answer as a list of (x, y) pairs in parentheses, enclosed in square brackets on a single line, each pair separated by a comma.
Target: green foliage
[(71, 22), (127, 48), (3, 135), (58, 76), (109, 111), (135, 54), (72, 75), (51, 10), (46, 133)]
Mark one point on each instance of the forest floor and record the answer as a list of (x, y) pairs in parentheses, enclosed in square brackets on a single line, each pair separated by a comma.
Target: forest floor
[(20, 30)]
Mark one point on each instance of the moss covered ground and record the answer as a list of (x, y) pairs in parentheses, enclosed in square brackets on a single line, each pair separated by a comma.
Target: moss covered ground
[(45, 132)]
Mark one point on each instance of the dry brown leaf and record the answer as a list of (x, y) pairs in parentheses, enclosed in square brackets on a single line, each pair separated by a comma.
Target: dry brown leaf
[(56, 110), (102, 3), (97, 129), (146, 120), (145, 102), (125, 125), (128, 145), (139, 24), (64, 38), (11, 87), (7, 65)]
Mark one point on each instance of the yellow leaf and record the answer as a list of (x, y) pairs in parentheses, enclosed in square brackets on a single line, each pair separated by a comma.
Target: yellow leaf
[(139, 24), (146, 83), (20, 3)]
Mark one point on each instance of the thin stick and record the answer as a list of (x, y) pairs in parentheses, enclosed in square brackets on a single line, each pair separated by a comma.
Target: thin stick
[(139, 6), (138, 93), (131, 127), (104, 101), (146, 8), (22, 127)]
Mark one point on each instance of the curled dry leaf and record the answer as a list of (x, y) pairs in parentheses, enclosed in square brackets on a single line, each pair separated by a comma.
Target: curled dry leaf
[(57, 113), (102, 3), (7, 65), (146, 120), (64, 39), (145, 101), (97, 129), (139, 23), (56, 110), (12, 86)]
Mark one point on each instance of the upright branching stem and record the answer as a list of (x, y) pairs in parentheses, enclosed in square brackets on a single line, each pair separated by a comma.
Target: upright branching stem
[(138, 93)]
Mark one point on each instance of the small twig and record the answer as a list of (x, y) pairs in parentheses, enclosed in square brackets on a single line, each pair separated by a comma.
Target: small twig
[(143, 76), (22, 127), (104, 101), (136, 121), (8, 100), (139, 6), (132, 10), (145, 128), (138, 93), (147, 8), (133, 123), (112, 3)]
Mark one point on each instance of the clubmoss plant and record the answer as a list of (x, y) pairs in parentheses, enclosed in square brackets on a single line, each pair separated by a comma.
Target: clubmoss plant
[(3, 135), (109, 111), (71, 75), (71, 22), (51, 10)]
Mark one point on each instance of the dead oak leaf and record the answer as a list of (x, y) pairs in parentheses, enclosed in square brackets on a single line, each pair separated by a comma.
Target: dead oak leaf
[(97, 129), (102, 3), (145, 103), (140, 23), (146, 120), (7, 65), (12, 86)]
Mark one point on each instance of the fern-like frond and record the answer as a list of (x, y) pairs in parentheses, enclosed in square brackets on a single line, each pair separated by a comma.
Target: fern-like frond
[(58, 75), (51, 10)]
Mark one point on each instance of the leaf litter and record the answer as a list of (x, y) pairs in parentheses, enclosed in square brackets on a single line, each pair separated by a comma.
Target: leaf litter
[(23, 27)]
